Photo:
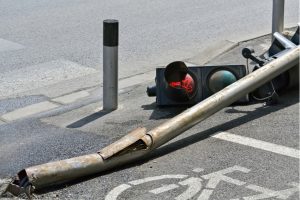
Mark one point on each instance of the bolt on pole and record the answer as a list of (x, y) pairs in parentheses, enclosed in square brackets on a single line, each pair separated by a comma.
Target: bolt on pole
[(110, 64), (278, 16)]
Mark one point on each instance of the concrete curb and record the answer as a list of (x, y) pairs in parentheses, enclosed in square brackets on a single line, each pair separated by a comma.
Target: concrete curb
[(213, 51), (68, 99), (221, 47)]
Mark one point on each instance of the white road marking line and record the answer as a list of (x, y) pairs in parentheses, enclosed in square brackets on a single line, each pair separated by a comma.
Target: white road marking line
[(40, 75), (264, 193), (267, 193), (70, 98), (29, 110), (164, 188), (198, 170), (216, 177), (194, 186), (113, 194), (6, 45), (155, 178), (275, 148), (205, 194)]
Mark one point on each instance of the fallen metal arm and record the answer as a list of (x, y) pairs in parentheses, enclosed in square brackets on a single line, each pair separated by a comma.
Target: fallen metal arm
[(286, 43), (140, 142)]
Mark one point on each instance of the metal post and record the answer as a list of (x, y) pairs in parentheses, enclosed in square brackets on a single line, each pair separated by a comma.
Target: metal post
[(278, 16), (110, 64)]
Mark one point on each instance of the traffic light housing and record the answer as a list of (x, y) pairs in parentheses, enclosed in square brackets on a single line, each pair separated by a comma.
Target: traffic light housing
[(177, 84), (281, 45), (295, 37), (276, 47)]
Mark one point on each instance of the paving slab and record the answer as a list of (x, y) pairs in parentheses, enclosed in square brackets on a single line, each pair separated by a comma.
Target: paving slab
[(10, 104), (29, 110), (40, 75), (70, 98)]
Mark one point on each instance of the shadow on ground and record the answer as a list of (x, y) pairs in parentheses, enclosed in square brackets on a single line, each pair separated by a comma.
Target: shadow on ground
[(287, 100), (88, 119), (163, 112)]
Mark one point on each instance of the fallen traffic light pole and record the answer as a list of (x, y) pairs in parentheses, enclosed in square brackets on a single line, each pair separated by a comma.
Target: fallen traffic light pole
[(140, 141)]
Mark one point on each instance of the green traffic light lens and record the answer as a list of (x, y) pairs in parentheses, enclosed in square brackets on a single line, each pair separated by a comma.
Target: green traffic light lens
[(220, 79)]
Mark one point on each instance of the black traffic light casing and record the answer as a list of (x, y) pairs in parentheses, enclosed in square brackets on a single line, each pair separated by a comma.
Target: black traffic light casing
[(170, 96), (295, 37), (277, 47), (288, 79)]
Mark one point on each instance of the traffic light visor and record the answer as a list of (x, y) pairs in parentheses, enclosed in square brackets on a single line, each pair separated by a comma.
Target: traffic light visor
[(187, 83), (181, 83)]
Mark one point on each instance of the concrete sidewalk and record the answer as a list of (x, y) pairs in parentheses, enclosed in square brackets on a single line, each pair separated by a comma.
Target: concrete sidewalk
[(56, 96)]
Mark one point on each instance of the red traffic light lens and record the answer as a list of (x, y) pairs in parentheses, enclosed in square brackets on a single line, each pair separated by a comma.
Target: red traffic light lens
[(187, 84), (181, 82)]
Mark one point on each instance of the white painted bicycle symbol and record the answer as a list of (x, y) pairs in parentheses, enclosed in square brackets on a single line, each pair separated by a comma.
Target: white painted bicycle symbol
[(197, 190)]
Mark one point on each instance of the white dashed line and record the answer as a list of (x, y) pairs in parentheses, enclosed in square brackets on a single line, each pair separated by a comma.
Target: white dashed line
[(29, 110), (258, 144)]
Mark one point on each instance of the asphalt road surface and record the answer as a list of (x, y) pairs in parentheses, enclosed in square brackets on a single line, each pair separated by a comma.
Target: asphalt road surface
[(243, 152)]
